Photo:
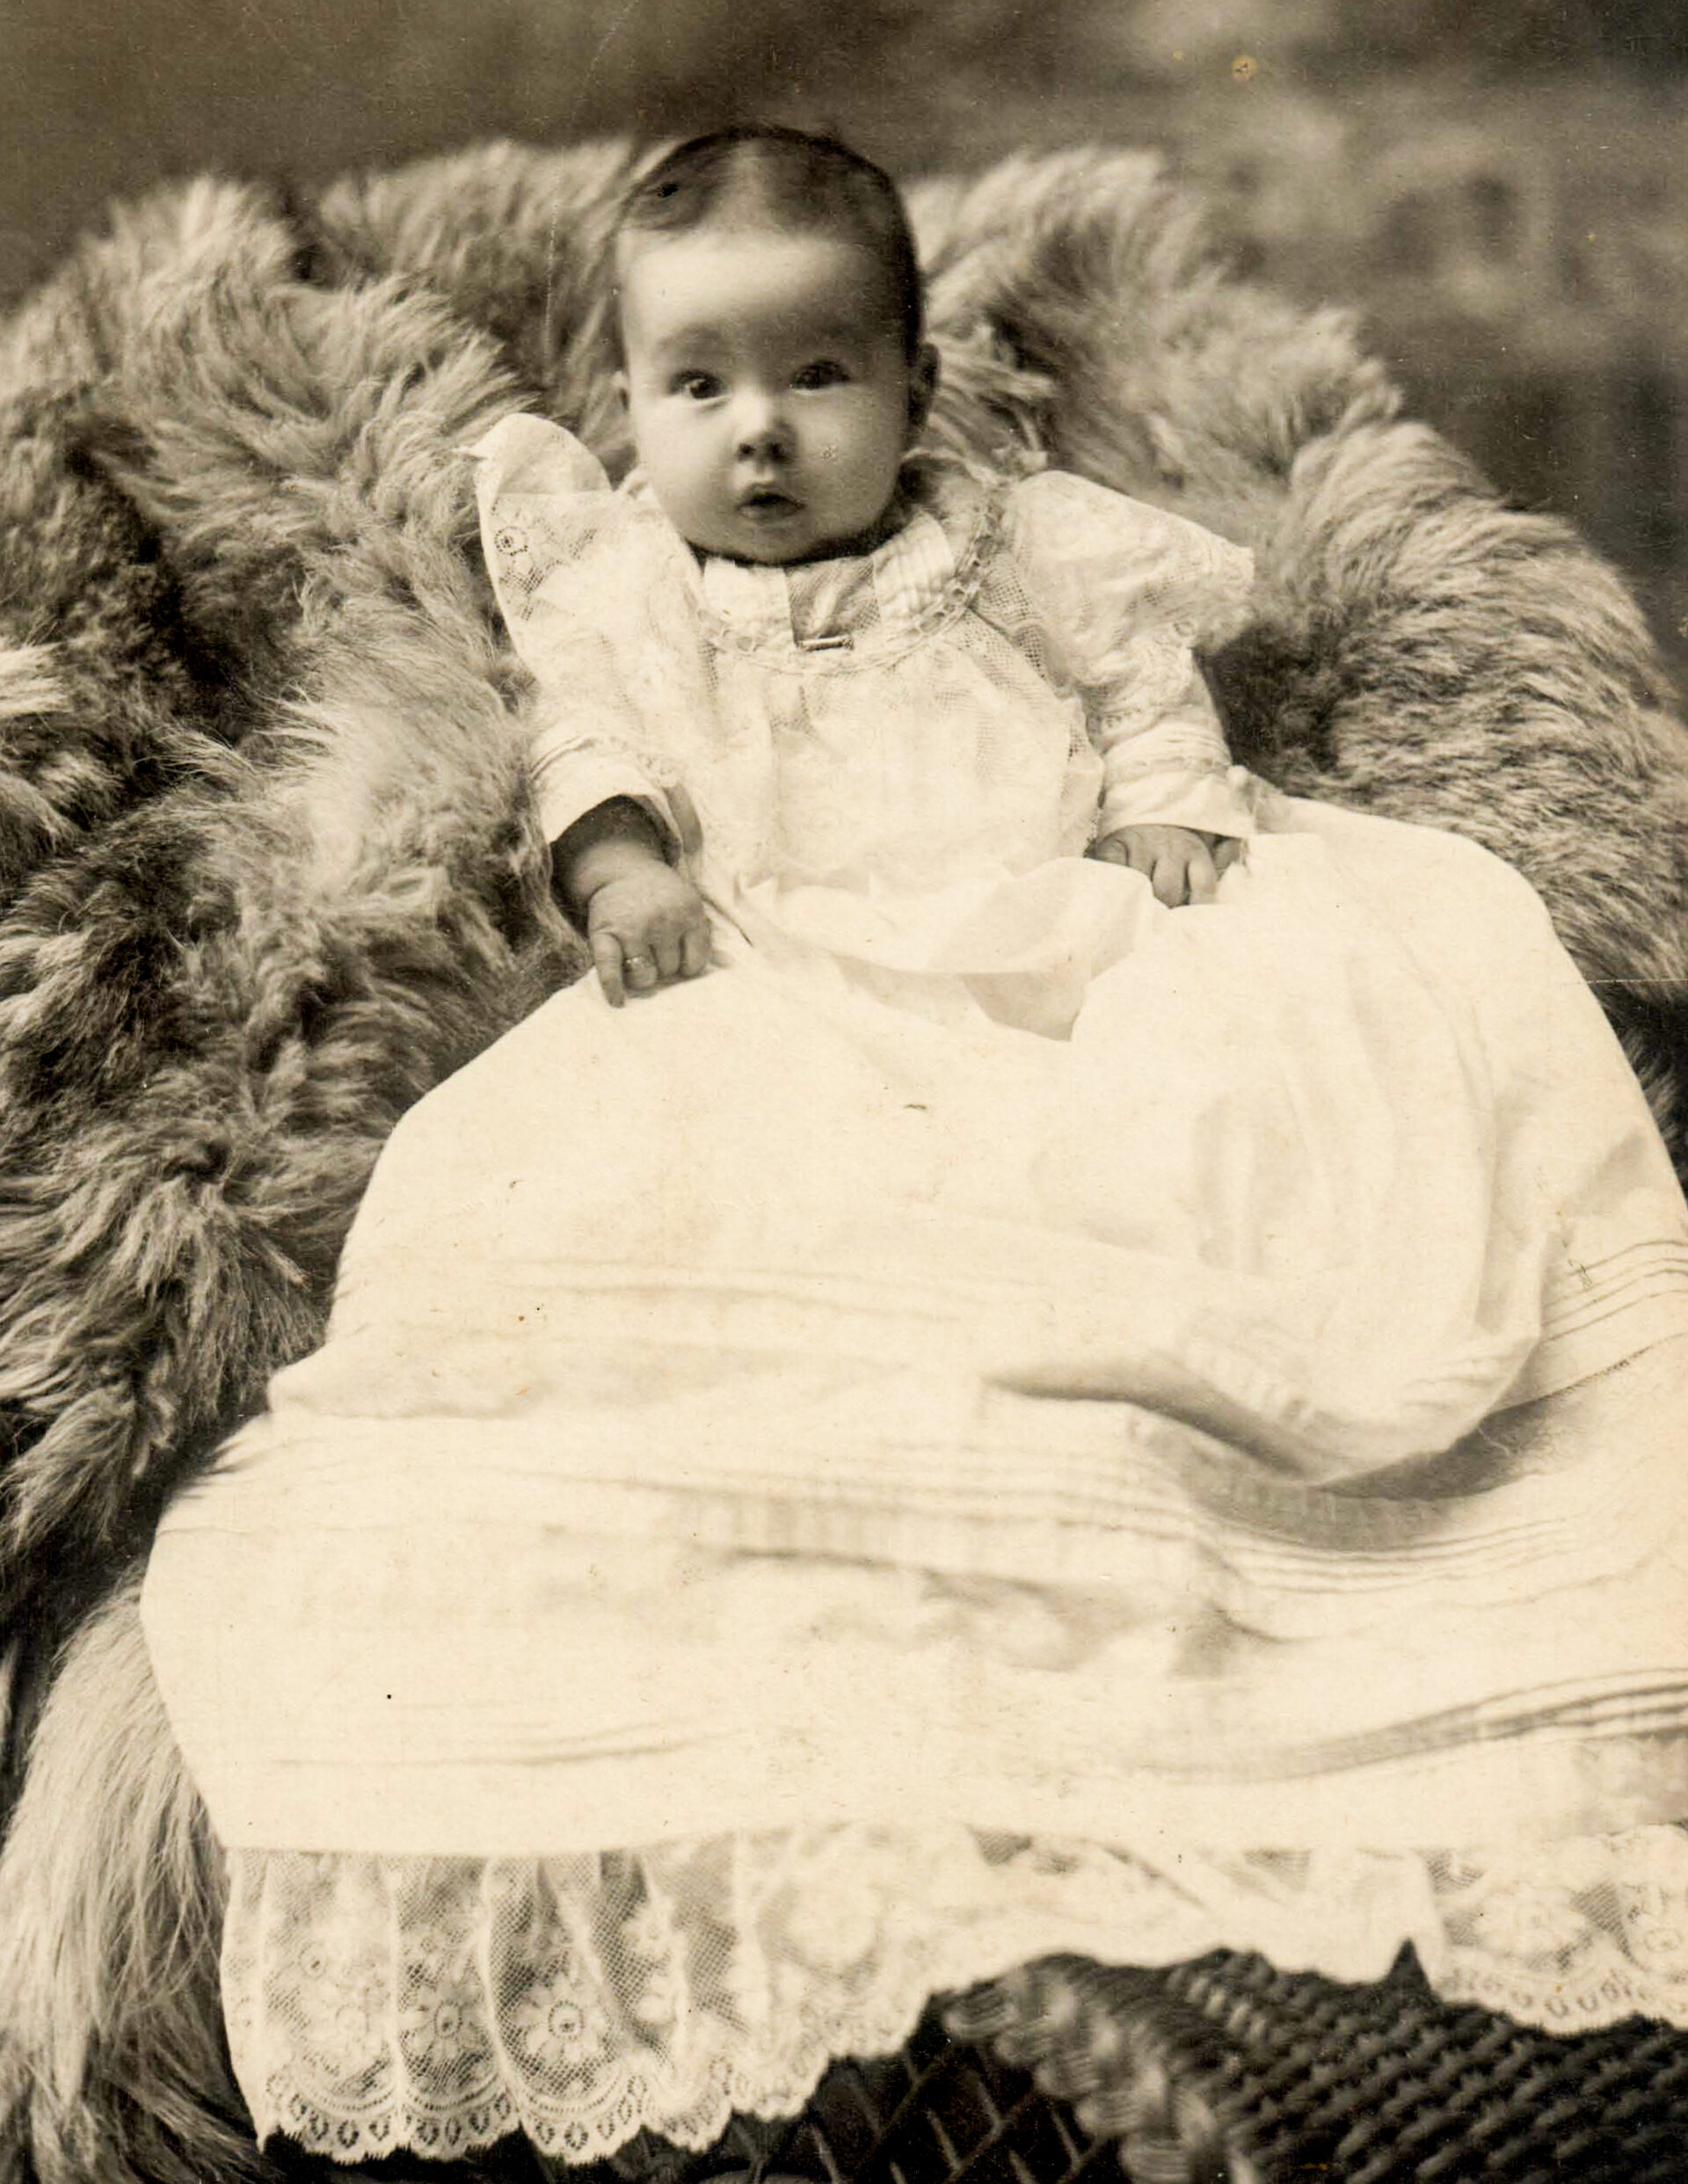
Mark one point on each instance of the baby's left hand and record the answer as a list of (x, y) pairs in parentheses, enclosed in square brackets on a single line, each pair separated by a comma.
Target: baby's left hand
[(1181, 865)]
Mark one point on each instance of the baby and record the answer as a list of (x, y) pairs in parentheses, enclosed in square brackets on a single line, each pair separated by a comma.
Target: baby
[(895, 1460), (775, 378)]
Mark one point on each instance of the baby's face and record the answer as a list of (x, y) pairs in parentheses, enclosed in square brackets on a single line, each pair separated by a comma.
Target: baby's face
[(771, 399)]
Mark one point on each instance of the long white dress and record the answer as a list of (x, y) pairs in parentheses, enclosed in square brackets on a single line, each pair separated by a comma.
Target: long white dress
[(1001, 1418)]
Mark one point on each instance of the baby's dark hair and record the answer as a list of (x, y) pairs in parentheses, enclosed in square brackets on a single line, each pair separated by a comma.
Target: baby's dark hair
[(790, 179)]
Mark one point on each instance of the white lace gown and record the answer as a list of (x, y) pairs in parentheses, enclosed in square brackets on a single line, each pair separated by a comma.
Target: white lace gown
[(1000, 1419)]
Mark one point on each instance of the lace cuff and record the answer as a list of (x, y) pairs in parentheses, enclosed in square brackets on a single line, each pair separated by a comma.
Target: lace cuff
[(1218, 798), (573, 776)]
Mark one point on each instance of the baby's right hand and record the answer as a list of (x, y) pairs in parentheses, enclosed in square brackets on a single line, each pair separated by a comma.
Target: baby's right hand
[(645, 926)]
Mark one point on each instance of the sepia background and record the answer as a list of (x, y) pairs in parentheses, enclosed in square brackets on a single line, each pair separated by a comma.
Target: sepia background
[(1499, 186)]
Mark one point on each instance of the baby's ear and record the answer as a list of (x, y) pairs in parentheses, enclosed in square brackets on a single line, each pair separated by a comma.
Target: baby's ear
[(922, 387)]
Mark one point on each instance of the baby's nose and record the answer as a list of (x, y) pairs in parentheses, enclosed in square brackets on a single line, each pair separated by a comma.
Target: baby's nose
[(761, 426)]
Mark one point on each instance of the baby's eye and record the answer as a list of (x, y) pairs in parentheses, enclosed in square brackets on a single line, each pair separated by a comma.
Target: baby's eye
[(697, 386), (824, 372)]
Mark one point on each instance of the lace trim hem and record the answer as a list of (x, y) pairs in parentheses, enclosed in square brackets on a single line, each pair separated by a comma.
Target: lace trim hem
[(628, 2105), (382, 2005)]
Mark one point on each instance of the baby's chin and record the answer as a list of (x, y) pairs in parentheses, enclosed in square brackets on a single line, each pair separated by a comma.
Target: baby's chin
[(761, 552), (769, 540), (772, 543)]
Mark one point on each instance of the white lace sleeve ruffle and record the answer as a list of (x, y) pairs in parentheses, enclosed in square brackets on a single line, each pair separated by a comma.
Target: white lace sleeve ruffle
[(563, 549), (375, 2004), (1125, 592)]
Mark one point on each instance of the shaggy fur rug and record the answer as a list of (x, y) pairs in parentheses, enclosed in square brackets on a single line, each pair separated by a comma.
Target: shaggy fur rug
[(268, 870)]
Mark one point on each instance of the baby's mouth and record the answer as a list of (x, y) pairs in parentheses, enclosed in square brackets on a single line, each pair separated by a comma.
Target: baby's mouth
[(766, 504)]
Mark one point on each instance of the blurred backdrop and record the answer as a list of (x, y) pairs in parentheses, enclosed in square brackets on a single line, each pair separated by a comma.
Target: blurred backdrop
[(1499, 186)]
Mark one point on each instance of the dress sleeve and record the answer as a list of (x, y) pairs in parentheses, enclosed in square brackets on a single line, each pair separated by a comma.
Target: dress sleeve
[(562, 547), (1122, 593)]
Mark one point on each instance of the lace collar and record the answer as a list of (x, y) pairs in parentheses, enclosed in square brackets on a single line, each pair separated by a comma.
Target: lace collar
[(858, 608)]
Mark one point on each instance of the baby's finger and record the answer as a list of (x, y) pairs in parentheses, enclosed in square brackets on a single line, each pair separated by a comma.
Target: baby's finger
[(1110, 850), (1203, 880), (639, 969), (606, 961), (1169, 882), (1227, 853), (695, 954)]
